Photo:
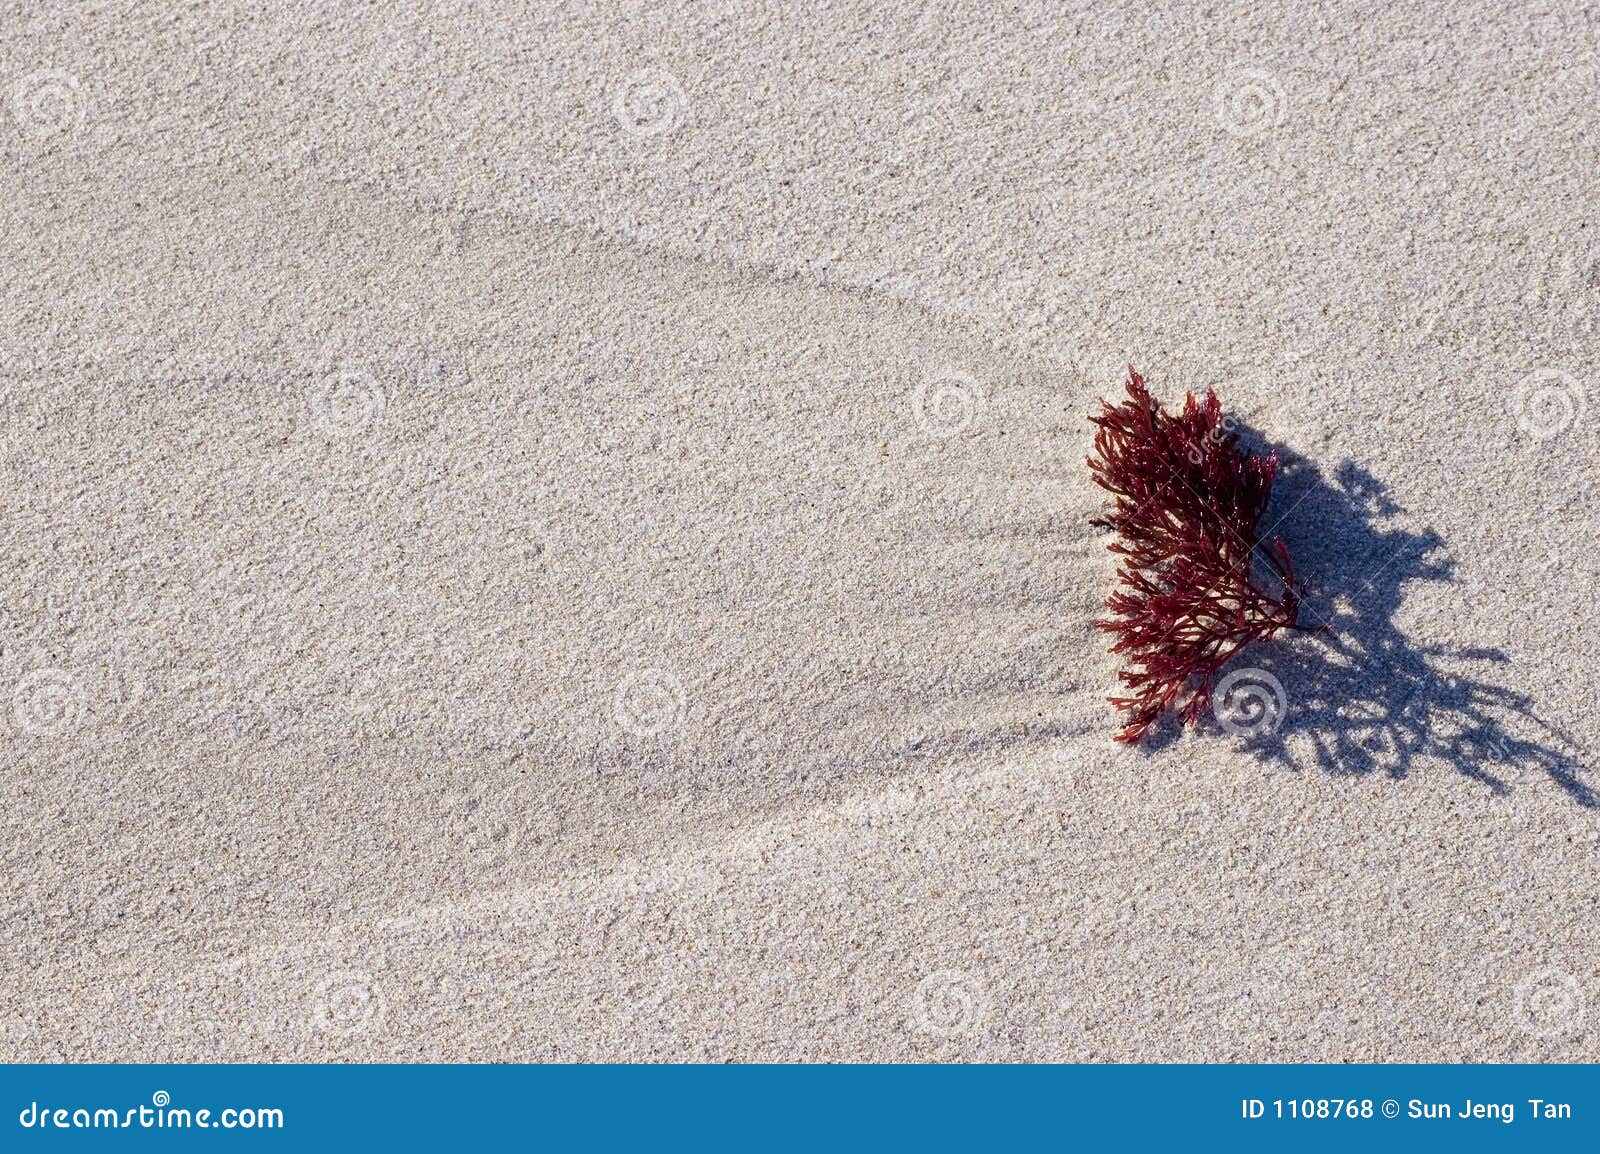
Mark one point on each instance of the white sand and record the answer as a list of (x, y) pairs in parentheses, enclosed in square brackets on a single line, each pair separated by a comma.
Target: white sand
[(476, 581)]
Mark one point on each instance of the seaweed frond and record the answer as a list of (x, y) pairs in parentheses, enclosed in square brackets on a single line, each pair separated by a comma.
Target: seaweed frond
[(1187, 506)]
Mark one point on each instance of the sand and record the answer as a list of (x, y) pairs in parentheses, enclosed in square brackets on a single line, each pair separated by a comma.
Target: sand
[(562, 534)]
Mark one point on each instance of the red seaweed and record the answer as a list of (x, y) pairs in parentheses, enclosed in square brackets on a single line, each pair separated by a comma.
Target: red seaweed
[(1188, 503)]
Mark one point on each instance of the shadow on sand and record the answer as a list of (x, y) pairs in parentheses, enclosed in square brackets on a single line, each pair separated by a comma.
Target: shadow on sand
[(1363, 698)]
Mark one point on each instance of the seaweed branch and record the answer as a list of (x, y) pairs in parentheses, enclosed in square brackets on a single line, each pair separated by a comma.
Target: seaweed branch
[(1196, 584)]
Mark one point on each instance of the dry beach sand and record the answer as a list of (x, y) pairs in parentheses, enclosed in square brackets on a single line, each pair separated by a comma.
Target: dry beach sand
[(561, 533)]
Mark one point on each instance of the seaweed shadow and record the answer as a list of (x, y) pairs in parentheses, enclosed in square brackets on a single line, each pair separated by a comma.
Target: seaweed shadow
[(1362, 697)]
